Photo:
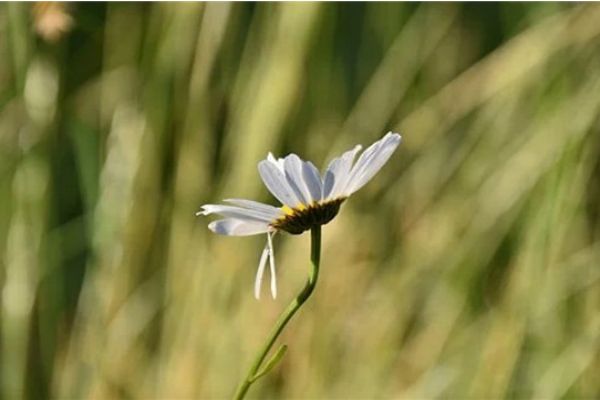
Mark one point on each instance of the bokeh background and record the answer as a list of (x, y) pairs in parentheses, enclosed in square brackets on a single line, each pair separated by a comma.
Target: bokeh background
[(468, 268)]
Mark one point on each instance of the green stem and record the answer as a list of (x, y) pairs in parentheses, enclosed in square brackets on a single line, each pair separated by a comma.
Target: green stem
[(284, 318)]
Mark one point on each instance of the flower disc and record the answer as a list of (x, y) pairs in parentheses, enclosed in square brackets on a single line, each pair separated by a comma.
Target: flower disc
[(297, 221)]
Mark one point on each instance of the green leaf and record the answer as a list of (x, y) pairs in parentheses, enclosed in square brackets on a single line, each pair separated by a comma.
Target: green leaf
[(271, 363)]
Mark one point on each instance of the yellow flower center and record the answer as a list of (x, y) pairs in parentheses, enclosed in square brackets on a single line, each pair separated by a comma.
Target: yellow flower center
[(302, 218)]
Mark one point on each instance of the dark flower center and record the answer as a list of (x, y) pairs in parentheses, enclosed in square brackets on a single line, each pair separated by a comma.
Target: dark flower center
[(297, 221)]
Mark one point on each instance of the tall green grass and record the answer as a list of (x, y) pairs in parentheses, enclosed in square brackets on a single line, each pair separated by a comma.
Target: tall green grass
[(469, 268)]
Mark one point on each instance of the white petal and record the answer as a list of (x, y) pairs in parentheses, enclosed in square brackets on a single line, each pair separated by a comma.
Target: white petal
[(261, 269), (272, 266), (275, 181), (293, 173), (238, 227), (371, 161), (329, 177), (278, 162), (341, 172), (337, 173), (265, 209), (312, 178), (236, 212)]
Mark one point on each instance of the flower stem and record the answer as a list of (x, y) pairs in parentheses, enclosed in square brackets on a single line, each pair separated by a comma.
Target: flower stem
[(284, 318)]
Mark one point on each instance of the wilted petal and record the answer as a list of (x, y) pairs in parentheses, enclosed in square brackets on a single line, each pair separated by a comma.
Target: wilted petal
[(272, 265), (261, 269)]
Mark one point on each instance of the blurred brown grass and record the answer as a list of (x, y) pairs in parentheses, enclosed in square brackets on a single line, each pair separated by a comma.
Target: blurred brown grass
[(469, 268)]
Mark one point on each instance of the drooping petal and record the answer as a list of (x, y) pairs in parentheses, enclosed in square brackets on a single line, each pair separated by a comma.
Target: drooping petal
[(238, 227), (277, 184), (370, 162), (265, 209), (293, 173), (313, 181), (236, 212), (272, 265), (261, 269)]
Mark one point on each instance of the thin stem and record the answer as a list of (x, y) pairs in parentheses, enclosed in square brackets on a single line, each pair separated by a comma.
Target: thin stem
[(288, 313)]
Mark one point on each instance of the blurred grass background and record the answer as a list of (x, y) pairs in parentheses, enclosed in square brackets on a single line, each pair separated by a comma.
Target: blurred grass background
[(469, 268)]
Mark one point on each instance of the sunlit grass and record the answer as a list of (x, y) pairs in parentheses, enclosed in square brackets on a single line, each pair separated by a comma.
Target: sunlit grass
[(469, 268)]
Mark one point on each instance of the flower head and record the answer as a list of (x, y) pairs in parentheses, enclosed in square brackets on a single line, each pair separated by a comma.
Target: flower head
[(308, 199)]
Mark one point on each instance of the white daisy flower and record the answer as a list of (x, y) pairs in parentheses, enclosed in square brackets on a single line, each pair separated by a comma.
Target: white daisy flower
[(308, 199)]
